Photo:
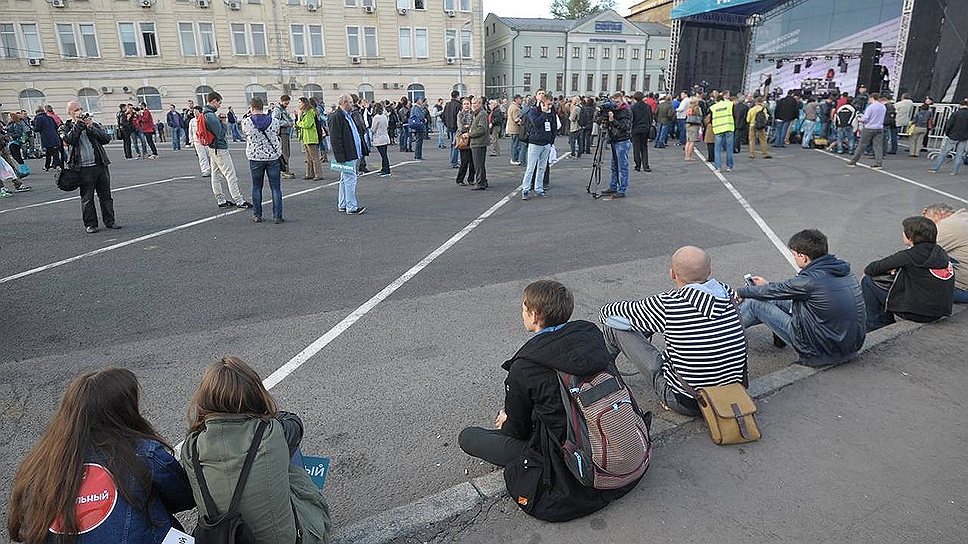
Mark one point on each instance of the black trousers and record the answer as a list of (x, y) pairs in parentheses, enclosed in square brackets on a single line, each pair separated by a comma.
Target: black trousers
[(466, 167), (150, 136), (640, 150), (52, 158), (384, 160), (491, 445), (479, 156), (710, 151), (740, 137), (126, 139), (96, 179)]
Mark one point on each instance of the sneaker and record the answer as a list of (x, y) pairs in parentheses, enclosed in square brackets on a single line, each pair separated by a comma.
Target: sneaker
[(256, 219), (288, 175), (357, 211), (647, 169), (386, 175), (876, 167), (778, 342), (5, 193), (851, 164), (90, 230), (244, 205), (341, 210), (515, 163), (609, 192), (932, 170), (226, 204), (617, 195), (728, 169), (545, 194), (278, 220), (113, 226), (206, 174), (525, 195), (22, 189)]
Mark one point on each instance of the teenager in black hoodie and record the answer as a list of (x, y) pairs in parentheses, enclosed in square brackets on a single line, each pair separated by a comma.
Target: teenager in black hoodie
[(916, 284), (536, 477)]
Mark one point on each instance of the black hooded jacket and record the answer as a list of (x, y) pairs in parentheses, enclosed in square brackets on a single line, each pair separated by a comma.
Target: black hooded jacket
[(923, 288), (534, 408)]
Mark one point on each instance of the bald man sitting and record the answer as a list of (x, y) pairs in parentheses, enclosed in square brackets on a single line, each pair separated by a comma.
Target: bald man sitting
[(705, 344)]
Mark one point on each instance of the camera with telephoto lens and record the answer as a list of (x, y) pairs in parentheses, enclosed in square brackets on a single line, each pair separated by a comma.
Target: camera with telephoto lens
[(86, 115), (601, 113)]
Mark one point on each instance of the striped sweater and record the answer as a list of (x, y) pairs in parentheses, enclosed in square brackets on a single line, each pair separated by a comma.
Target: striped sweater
[(704, 338)]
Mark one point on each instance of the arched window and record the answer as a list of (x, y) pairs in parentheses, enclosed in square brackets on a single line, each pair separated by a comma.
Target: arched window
[(201, 94), (415, 92), (255, 90), (31, 99), (365, 90), (461, 88), (150, 96), (311, 90), (90, 99)]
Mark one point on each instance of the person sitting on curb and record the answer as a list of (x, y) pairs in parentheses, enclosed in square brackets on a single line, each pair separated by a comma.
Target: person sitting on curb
[(533, 407), (953, 238), (705, 341), (820, 311), (916, 284)]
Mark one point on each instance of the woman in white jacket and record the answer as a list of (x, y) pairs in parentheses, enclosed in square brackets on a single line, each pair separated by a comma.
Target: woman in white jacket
[(380, 136)]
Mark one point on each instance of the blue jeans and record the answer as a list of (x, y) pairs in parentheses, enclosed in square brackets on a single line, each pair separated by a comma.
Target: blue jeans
[(515, 147), (404, 139), (140, 142), (441, 133), (724, 144), (620, 166), (946, 147), (454, 152), (538, 162), (347, 189), (662, 138), (177, 133), (891, 133), (781, 130), (808, 127), (236, 135), (875, 299), (418, 137), (775, 314), (846, 140), (259, 170), (682, 131), (961, 296)]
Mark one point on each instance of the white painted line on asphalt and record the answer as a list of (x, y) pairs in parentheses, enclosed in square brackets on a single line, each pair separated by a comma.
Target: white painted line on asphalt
[(900, 178), (113, 190), (757, 218), (312, 349), (126, 243)]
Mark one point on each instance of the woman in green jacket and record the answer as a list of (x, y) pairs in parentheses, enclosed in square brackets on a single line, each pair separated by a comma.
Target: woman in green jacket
[(309, 136), (279, 500)]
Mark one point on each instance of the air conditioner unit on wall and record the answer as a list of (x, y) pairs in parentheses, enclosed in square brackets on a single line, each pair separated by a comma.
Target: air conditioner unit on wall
[(57, 3), (450, 60), (126, 89), (369, 9), (300, 59), (146, 3), (402, 11), (396, 85), (107, 90), (211, 58), (355, 60), (386, 86), (450, 13), (235, 6), (203, 3), (312, 6), (335, 86), (34, 62)]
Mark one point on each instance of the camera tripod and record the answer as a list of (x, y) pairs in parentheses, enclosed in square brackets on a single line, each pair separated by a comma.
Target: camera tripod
[(596, 174)]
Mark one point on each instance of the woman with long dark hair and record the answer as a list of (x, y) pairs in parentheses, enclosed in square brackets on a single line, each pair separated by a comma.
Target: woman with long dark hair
[(380, 136), (279, 500), (100, 473)]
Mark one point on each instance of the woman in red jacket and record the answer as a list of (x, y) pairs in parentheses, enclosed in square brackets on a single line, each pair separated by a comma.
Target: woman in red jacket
[(146, 124)]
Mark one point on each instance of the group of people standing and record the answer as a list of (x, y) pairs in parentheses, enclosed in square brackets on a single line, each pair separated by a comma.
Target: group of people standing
[(136, 129)]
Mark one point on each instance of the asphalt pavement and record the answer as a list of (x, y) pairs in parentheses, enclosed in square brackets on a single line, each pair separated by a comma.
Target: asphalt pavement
[(413, 306), (870, 451)]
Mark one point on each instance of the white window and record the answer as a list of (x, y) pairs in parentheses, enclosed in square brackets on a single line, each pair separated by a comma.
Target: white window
[(635, 53), (77, 40), (353, 41), (294, 2), (576, 53), (129, 39), (248, 39), (368, 3), (465, 5), (89, 40), (201, 94), (450, 43), (206, 38), (255, 90), (67, 41), (591, 52), (449, 5), (186, 35), (371, 47), (138, 39), (8, 42), (89, 99), (349, 3), (239, 45), (312, 90), (316, 44), (31, 99), (421, 44), (465, 44), (298, 34), (648, 54), (406, 43), (415, 91), (149, 96), (621, 53), (362, 44), (606, 52), (662, 54), (31, 41), (257, 33), (149, 40), (365, 91)]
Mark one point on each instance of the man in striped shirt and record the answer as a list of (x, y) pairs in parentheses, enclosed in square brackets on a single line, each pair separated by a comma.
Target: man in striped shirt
[(704, 339)]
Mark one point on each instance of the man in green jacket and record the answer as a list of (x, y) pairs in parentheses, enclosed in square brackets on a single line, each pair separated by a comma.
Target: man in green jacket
[(723, 126)]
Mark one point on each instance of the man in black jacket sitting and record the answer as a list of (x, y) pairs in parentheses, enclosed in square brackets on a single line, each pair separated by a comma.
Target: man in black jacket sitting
[(533, 409), (820, 311), (917, 284)]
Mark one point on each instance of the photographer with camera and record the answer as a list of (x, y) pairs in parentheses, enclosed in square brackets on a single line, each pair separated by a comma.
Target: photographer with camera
[(86, 157), (615, 116)]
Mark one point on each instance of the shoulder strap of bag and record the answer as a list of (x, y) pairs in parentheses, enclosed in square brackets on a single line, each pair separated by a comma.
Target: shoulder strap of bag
[(210, 506)]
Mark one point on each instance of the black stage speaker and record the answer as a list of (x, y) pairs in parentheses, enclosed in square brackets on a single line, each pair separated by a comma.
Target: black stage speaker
[(870, 55)]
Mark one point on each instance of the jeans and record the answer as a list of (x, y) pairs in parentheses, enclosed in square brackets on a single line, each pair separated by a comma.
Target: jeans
[(139, 142), (236, 135), (96, 179), (515, 147), (573, 143), (807, 128), (441, 133), (418, 137), (875, 299), (946, 147), (874, 137), (404, 139), (640, 150), (347, 189), (682, 130), (846, 141), (491, 445), (780, 137), (961, 296), (260, 170), (384, 160), (177, 133), (620, 166), (724, 144), (891, 140), (454, 152), (647, 359), (662, 138), (537, 164), (587, 135), (775, 314)]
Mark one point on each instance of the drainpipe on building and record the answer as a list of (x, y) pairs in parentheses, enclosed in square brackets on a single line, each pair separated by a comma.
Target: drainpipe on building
[(566, 78), (645, 61), (275, 30), (513, 58)]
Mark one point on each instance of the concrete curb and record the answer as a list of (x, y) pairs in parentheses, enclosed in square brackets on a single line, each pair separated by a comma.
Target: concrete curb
[(463, 497)]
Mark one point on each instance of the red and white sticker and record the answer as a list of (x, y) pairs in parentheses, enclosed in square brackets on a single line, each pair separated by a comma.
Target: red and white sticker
[(943, 273), (96, 500)]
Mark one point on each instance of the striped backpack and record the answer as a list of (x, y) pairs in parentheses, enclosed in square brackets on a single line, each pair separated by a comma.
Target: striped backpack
[(608, 444)]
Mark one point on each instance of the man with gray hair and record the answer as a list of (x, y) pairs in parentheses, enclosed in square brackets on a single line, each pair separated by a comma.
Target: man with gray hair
[(346, 136), (704, 340), (87, 158), (953, 238)]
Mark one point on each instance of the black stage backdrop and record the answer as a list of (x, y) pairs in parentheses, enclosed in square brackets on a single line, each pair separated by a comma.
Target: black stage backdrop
[(713, 54), (927, 73)]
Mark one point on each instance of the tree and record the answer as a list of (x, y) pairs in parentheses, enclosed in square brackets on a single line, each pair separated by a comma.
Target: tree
[(577, 9)]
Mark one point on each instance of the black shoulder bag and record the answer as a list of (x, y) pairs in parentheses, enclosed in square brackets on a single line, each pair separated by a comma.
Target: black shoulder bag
[(229, 527)]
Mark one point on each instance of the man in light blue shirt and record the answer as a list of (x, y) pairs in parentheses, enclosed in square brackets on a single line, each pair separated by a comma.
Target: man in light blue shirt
[(348, 147), (872, 133)]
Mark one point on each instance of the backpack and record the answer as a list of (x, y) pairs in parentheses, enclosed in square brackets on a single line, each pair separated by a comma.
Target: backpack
[(608, 444), (761, 120), (202, 134), (227, 527), (844, 117), (586, 116), (417, 120)]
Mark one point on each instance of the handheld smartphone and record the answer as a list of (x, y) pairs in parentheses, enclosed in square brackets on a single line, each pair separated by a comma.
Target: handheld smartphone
[(748, 278)]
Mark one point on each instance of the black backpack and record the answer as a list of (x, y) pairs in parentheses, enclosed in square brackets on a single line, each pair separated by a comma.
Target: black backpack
[(228, 527), (761, 120)]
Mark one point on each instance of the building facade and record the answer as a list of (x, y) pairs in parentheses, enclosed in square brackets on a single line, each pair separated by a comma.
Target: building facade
[(599, 54), (108, 52)]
